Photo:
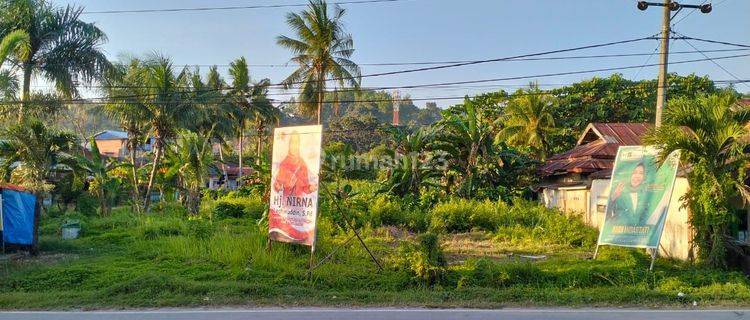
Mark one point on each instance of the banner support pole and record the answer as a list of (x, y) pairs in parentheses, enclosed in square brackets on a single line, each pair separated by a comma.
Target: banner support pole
[(356, 233), (596, 251), (654, 252)]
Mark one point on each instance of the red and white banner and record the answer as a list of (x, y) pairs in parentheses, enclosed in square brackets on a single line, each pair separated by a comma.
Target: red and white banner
[(294, 184)]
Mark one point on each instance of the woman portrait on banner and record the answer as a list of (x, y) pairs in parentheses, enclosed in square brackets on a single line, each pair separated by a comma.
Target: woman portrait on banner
[(630, 199), (293, 190)]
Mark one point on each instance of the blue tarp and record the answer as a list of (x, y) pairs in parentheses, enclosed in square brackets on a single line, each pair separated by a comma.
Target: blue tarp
[(18, 217)]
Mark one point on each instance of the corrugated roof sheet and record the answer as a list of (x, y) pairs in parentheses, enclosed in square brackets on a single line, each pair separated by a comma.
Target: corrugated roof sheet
[(597, 155)]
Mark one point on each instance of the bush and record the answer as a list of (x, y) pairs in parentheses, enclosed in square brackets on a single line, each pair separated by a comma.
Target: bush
[(425, 260), (163, 228), (200, 229), (460, 215), (239, 207), (87, 204)]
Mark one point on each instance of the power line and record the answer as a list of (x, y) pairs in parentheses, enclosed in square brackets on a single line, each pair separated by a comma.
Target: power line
[(714, 62), (114, 98), (270, 6), (462, 64), (717, 42), (408, 63)]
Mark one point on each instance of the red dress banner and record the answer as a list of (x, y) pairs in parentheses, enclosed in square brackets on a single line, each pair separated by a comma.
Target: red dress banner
[(294, 184)]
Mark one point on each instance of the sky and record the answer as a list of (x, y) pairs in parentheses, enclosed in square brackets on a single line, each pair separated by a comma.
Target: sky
[(434, 30)]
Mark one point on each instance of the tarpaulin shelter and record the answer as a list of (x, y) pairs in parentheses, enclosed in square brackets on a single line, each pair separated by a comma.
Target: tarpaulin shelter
[(17, 208)]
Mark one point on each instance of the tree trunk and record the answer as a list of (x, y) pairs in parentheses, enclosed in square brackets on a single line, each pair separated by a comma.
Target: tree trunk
[(260, 142), (136, 193), (320, 97), (26, 91), (223, 167), (158, 145), (241, 147)]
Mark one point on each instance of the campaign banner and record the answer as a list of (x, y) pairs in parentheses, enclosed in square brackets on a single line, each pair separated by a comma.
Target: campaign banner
[(639, 195), (294, 184)]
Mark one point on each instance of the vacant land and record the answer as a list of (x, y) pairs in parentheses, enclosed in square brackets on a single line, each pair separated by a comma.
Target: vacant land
[(529, 256)]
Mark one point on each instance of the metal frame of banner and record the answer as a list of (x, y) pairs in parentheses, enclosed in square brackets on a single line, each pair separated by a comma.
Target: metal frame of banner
[(356, 234)]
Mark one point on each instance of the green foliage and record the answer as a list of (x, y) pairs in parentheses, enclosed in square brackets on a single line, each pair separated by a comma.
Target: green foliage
[(528, 120), (710, 132), (86, 204), (424, 260), (461, 215), (238, 207), (322, 50), (386, 210)]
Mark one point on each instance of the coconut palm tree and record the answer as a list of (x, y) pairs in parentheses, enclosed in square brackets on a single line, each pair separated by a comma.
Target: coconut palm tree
[(322, 49), (250, 103), (126, 108), (29, 152), (168, 106), (61, 46), (239, 96), (529, 121), (711, 133), (191, 159)]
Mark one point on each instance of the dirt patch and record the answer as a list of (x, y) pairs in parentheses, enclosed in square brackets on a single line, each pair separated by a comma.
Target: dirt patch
[(22, 259), (460, 247)]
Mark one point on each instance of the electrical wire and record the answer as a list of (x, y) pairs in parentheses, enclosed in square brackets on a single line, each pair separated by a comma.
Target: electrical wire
[(115, 99), (270, 6)]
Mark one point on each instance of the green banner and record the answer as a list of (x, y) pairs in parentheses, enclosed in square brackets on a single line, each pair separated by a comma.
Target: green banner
[(639, 194)]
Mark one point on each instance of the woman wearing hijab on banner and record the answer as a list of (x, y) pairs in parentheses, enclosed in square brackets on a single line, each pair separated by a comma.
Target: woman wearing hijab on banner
[(290, 218), (629, 201)]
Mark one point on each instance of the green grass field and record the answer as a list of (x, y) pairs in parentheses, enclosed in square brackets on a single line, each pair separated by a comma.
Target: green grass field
[(167, 260)]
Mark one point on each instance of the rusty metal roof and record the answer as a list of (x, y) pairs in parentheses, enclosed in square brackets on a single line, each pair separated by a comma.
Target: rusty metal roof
[(596, 149)]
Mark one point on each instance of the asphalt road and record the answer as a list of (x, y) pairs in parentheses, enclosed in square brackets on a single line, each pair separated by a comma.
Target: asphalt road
[(383, 314)]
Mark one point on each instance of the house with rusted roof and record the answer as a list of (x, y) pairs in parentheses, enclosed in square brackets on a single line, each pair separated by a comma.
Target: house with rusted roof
[(577, 182)]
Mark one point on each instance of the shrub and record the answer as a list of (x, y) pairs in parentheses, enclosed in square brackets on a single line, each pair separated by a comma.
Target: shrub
[(460, 215), (425, 260), (163, 228), (383, 211), (200, 229), (87, 204), (239, 207), (224, 209)]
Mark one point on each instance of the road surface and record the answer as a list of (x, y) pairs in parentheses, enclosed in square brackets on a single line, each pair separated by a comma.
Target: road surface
[(381, 314)]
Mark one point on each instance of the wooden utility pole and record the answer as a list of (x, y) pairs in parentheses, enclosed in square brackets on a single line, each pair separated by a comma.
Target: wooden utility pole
[(661, 90), (662, 86)]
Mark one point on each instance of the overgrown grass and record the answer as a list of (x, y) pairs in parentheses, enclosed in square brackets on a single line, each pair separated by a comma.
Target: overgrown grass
[(168, 259)]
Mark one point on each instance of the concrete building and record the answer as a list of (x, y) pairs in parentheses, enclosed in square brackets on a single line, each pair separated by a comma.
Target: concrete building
[(112, 143)]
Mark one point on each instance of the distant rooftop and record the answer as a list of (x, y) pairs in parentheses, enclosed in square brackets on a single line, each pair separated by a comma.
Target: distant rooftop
[(111, 135)]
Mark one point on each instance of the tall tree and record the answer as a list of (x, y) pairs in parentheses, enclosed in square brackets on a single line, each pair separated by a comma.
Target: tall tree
[(322, 49), (239, 96), (126, 107), (39, 150), (168, 106), (711, 132), (529, 121), (190, 159), (61, 46)]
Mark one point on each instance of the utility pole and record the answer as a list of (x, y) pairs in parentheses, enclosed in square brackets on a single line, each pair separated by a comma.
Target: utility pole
[(668, 5)]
